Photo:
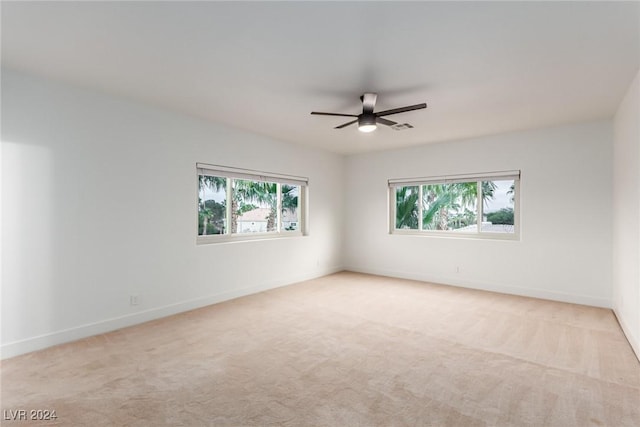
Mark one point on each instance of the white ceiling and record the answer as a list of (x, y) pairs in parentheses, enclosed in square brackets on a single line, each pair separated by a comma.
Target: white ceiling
[(482, 68)]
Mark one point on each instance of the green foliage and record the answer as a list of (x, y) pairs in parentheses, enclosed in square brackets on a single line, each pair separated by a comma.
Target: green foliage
[(503, 216), (289, 198), (211, 217), (452, 206), (247, 195), (213, 182), (407, 207), (488, 188), (512, 191), (211, 214), (446, 206), (245, 208), (462, 219), (260, 192)]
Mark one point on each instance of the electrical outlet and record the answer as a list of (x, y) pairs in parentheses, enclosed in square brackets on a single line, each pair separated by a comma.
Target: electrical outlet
[(457, 269), (134, 300)]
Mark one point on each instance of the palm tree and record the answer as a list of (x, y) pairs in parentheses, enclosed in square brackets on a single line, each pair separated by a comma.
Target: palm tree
[(437, 200), (213, 182), (441, 200), (290, 200), (262, 193), (407, 207), (488, 189), (290, 197), (205, 212), (245, 194), (211, 217), (204, 215)]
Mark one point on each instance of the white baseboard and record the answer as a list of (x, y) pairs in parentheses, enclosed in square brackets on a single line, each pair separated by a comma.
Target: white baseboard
[(633, 340), (505, 289), (40, 342)]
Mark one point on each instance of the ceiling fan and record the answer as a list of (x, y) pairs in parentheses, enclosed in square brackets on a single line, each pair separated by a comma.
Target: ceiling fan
[(368, 120)]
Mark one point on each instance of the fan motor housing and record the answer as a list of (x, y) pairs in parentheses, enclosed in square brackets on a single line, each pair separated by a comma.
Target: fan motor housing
[(366, 119)]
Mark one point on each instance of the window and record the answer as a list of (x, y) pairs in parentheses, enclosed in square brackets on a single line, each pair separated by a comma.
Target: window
[(480, 205), (237, 204)]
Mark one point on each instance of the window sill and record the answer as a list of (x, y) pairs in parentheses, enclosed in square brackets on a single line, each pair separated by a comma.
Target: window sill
[(246, 237), (458, 235)]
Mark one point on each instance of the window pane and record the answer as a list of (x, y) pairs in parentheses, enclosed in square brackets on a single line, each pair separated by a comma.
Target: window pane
[(290, 207), (254, 206), (450, 207), (407, 207), (212, 205), (498, 206)]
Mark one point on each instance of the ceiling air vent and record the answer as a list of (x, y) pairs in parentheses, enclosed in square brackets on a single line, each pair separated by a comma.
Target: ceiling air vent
[(401, 126)]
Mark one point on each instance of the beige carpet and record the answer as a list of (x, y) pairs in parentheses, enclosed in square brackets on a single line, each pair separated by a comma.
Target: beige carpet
[(344, 350)]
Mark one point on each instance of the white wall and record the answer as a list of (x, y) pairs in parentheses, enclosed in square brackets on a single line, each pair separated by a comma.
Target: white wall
[(626, 221), (564, 252), (99, 202)]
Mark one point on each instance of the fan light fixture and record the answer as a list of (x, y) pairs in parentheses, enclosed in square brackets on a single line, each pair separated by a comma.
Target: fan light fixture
[(367, 128), (367, 123)]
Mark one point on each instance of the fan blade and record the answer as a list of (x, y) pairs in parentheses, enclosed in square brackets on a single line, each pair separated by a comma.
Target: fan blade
[(346, 124), (334, 114), (385, 121), (401, 110), (368, 102)]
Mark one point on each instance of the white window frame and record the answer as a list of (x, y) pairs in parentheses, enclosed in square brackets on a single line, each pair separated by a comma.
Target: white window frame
[(231, 173), (478, 177)]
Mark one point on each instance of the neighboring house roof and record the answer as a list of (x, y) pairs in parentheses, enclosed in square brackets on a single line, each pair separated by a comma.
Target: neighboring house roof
[(488, 227), (497, 228), (261, 214)]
